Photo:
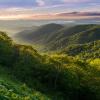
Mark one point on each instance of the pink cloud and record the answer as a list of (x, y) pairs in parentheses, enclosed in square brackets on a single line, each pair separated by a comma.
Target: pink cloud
[(22, 13)]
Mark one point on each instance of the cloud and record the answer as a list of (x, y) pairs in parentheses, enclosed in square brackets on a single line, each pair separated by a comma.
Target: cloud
[(48, 8), (40, 2), (15, 13), (77, 1), (79, 14), (28, 13)]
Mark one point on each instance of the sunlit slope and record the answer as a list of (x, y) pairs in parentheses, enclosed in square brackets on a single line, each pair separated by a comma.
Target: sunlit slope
[(85, 51)]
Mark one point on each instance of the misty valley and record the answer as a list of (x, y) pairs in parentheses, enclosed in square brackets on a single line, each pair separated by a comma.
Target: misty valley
[(49, 49), (51, 61)]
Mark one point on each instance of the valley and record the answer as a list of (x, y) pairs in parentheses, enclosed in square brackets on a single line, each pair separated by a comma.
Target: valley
[(49, 49), (51, 62), (56, 36)]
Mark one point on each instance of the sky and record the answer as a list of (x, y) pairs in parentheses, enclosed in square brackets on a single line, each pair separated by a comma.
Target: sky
[(49, 9)]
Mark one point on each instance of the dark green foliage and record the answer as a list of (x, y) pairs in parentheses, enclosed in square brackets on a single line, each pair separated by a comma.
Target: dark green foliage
[(13, 91), (28, 59), (59, 76), (6, 49)]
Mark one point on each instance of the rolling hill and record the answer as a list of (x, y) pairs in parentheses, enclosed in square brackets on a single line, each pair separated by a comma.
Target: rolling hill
[(39, 34), (92, 33), (55, 36)]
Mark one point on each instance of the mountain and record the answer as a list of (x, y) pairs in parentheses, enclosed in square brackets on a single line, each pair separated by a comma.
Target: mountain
[(87, 34), (65, 32), (40, 34), (56, 36)]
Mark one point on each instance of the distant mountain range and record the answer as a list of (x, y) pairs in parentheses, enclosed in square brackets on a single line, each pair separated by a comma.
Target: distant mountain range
[(38, 34), (56, 36)]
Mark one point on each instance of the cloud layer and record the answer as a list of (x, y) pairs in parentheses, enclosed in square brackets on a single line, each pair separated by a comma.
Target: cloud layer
[(22, 13), (48, 9)]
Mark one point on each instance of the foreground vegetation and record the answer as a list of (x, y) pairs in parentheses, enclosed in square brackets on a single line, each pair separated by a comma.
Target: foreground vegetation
[(27, 75)]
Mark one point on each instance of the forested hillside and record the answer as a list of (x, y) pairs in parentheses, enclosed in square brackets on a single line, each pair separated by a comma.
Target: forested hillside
[(89, 34), (26, 74), (85, 51), (56, 36), (40, 34)]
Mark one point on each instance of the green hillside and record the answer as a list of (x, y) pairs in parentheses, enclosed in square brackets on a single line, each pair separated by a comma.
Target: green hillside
[(25, 74), (88, 50), (10, 87), (66, 32), (89, 34), (55, 36), (38, 35)]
